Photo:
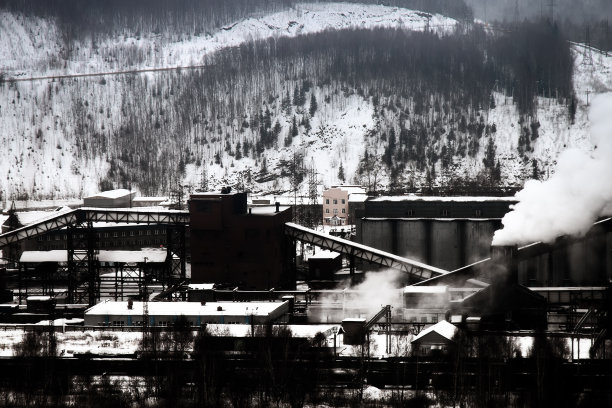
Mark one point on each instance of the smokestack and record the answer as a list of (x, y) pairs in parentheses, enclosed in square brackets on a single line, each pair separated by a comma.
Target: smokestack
[(504, 269), (277, 206)]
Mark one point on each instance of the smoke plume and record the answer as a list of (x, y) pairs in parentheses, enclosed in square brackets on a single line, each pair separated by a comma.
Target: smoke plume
[(577, 194)]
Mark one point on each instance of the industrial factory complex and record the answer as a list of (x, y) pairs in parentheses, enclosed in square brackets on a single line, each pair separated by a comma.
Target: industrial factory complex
[(229, 262)]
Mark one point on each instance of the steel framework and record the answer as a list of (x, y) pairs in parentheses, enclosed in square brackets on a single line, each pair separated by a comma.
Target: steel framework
[(81, 243), (417, 270)]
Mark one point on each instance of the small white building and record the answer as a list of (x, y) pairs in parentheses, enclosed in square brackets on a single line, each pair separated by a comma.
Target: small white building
[(197, 313), (435, 339)]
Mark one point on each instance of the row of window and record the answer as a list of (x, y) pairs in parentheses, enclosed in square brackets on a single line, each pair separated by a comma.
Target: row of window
[(335, 201), (335, 211), (113, 234), (112, 244), (444, 213)]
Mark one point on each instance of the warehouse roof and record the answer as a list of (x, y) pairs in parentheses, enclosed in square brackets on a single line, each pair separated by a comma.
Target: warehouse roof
[(122, 192), (61, 255), (187, 308)]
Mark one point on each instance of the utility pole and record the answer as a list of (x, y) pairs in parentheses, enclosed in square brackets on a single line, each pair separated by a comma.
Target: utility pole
[(588, 91), (313, 195)]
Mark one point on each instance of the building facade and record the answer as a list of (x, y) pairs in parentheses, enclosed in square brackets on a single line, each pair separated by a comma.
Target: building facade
[(235, 245), (339, 204)]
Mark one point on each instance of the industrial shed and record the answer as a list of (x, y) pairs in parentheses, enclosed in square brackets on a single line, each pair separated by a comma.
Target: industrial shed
[(435, 339), (120, 198), (197, 313)]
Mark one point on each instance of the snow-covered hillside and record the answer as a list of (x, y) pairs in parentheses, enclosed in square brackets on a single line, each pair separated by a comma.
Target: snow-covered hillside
[(46, 121), (32, 47)]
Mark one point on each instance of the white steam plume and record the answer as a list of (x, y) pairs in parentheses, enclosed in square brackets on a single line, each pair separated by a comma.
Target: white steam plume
[(577, 194)]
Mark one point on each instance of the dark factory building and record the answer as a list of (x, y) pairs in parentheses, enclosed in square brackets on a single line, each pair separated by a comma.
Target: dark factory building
[(239, 246), (445, 232)]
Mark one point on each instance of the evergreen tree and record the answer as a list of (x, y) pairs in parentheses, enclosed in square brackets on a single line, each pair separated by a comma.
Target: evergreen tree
[(294, 128), (341, 176), (313, 104)]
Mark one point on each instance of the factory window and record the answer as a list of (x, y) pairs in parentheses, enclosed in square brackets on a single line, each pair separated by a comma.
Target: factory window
[(335, 211), (410, 213), (163, 323), (445, 213), (106, 235), (327, 201), (148, 232), (478, 213), (344, 211), (327, 211), (131, 233), (343, 201), (115, 234), (123, 233), (335, 201), (139, 232), (118, 323), (163, 230)]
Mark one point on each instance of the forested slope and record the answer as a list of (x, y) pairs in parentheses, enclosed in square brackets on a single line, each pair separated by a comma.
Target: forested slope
[(380, 104)]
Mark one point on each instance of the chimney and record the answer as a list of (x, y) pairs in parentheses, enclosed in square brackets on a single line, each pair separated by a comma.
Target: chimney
[(277, 206), (504, 267)]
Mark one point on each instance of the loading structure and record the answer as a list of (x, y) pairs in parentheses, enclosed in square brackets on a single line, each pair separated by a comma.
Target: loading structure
[(81, 244), (417, 271)]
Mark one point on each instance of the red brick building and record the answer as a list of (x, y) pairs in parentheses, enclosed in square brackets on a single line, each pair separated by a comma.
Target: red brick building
[(236, 245)]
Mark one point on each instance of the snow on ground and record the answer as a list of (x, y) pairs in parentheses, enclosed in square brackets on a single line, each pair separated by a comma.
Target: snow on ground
[(46, 164), (25, 37)]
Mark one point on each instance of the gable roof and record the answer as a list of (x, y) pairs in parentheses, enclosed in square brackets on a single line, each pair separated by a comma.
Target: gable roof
[(442, 331)]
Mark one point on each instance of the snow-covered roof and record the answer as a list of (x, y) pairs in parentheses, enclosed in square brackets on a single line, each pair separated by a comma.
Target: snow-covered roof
[(351, 189), (425, 289), (201, 286), (267, 209), (38, 298), (443, 328), (324, 255), (60, 255), (149, 199), (186, 308), (121, 192), (30, 217), (358, 197), (467, 199)]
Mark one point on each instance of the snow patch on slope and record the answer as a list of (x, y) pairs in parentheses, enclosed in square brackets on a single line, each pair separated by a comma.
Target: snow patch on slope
[(43, 40)]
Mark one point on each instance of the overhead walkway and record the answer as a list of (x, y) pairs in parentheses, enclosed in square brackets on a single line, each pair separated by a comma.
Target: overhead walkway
[(62, 219), (417, 270)]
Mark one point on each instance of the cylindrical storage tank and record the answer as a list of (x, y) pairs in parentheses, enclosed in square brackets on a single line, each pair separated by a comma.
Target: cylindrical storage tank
[(445, 245), (477, 238), (412, 239), (378, 234)]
